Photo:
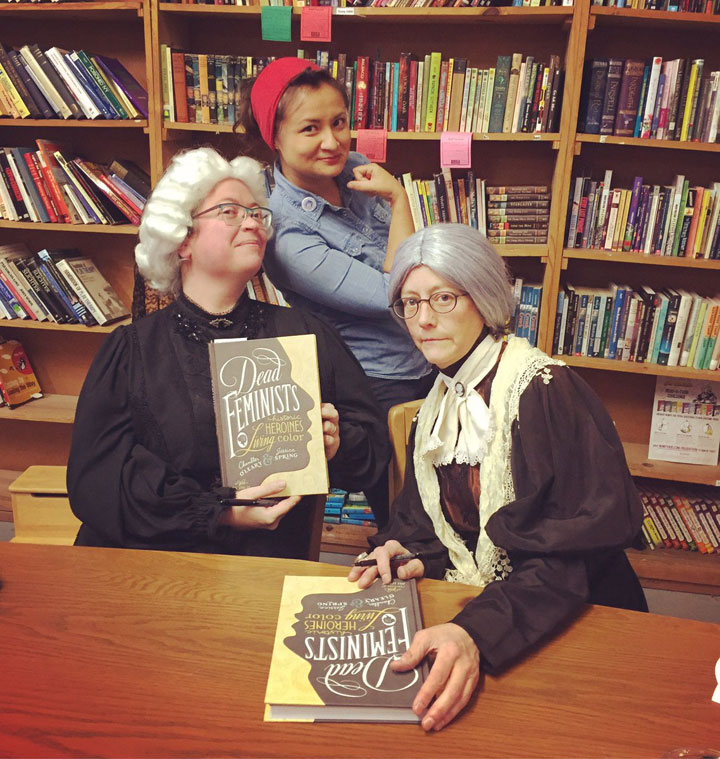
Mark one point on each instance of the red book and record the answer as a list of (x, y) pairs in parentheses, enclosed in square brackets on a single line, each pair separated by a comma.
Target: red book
[(180, 87), (49, 165), (40, 185)]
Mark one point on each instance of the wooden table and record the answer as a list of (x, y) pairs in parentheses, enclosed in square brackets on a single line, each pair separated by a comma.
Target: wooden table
[(133, 653)]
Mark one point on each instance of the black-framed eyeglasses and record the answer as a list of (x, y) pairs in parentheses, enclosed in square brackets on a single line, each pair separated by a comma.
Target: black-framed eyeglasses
[(234, 214), (441, 303)]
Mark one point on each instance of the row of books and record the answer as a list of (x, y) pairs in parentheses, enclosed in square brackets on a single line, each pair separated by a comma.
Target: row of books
[(528, 297), (342, 507), (44, 185), (18, 382), (684, 6), (514, 214), (204, 88), (61, 287), (67, 84), (261, 288), (668, 327), (654, 99), (428, 94), (683, 519), (656, 220)]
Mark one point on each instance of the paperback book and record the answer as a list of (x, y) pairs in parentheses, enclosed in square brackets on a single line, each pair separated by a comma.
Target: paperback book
[(333, 649), (266, 395)]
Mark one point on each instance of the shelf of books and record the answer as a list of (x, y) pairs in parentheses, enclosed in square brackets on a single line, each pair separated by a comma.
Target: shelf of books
[(75, 160)]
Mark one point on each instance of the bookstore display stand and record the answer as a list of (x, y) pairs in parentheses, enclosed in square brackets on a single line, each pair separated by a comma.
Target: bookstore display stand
[(62, 354)]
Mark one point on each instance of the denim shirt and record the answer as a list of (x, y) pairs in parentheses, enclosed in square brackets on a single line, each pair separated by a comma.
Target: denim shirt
[(329, 260)]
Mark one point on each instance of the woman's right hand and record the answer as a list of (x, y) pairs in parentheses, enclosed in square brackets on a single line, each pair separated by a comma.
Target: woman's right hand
[(365, 576), (373, 179), (259, 517)]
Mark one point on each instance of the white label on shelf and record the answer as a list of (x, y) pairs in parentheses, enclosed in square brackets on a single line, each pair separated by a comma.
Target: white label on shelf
[(344, 11), (603, 138), (537, 136)]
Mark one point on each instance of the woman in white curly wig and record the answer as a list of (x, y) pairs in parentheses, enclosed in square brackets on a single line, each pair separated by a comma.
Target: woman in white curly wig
[(516, 479), (143, 470)]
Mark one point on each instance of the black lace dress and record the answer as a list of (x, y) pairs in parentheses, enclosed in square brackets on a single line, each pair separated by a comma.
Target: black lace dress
[(143, 470)]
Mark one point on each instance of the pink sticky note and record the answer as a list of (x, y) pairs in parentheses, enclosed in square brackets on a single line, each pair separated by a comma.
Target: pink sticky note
[(455, 150), (316, 23), (373, 144)]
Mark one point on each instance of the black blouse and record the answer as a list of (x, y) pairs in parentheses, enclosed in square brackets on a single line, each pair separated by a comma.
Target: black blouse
[(144, 471), (575, 509)]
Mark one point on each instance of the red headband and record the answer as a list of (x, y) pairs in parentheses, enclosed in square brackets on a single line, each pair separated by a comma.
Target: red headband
[(269, 88)]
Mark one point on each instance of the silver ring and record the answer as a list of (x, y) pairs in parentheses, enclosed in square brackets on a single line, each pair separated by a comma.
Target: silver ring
[(362, 556)]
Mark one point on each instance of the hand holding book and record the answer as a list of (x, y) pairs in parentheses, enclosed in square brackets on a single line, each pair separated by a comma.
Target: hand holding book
[(256, 515), (331, 429)]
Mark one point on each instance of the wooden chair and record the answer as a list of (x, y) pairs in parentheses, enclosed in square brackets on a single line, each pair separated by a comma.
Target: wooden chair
[(42, 514), (400, 419)]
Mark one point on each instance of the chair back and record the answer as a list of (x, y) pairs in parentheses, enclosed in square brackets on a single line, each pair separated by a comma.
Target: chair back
[(400, 420)]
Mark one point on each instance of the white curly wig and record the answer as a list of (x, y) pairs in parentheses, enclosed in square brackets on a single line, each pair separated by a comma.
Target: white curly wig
[(167, 217)]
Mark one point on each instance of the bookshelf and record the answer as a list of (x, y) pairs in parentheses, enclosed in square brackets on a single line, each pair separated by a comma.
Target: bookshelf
[(61, 355), (39, 432)]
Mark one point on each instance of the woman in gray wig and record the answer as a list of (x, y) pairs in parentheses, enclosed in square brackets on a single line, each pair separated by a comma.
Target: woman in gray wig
[(516, 479), (144, 468)]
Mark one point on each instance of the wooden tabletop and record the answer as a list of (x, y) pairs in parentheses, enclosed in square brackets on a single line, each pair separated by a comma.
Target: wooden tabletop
[(149, 654)]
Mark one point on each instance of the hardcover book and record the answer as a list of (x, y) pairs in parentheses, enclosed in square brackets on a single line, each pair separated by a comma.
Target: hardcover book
[(333, 649), (266, 395)]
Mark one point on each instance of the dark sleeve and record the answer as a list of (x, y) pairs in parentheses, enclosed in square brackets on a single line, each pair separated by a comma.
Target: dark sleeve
[(123, 492), (410, 525), (364, 451), (575, 500)]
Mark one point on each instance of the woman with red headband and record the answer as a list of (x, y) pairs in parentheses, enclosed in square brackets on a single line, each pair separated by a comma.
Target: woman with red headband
[(337, 221)]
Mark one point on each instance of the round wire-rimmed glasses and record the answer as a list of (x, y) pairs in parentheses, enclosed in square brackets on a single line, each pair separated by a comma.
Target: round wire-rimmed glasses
[(234, 214), (441, 303)]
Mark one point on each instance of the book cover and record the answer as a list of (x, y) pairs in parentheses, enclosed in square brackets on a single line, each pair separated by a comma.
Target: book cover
[(267, 409), (95, 292), (333, 646), (17, 379)]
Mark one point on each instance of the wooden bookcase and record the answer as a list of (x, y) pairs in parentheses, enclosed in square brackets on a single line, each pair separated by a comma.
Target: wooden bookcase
[(39, 432)]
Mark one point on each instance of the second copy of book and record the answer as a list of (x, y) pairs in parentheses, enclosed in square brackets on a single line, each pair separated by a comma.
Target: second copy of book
[(266, 395), (333, 649)]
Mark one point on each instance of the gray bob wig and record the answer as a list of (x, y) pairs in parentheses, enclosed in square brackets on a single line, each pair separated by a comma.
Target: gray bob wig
[(167, 217), (463, 256)]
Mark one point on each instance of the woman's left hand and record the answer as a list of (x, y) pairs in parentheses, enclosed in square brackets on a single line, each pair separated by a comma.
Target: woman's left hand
[(374, 180), (331, 429), (453, 677)]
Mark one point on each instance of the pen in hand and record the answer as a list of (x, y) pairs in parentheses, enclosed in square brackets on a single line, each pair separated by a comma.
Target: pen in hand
[(400, 558), (249, 501)]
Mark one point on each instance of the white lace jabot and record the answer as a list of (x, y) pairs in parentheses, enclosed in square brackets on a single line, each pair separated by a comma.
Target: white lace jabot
[(464, 424)]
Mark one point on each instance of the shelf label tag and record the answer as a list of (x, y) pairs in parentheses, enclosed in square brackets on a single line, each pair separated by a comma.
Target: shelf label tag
[(344, 11), (316, 23), (275, 23), (455, 150), (373, 144)]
